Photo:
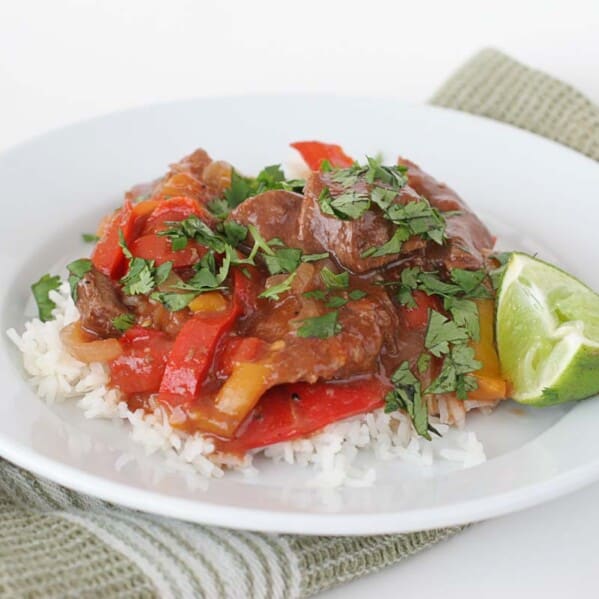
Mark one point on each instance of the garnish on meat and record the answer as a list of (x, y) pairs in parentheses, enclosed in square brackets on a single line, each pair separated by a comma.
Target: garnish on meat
[(361, 287)]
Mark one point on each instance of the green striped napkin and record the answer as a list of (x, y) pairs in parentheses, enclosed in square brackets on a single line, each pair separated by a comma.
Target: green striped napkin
[(56, 543)]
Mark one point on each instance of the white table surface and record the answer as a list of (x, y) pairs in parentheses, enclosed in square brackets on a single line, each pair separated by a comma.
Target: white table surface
[(66, 60)]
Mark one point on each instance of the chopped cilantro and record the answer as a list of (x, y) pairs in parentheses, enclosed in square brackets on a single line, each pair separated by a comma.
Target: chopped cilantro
[(336, 301), (275, 291), (242, 188), (123, 322), (441, 332), (239, 190), (321, 327), (179, 232), (419, 218), (465, 314), (283, 260), (471, 282), (142, 276), (407, 395), (455, 372), (314, 257), (393, 246), (77, 269), (414, 218), (41, 293), (89, 237), (174, 301), (334, 281), (349, 205), (423, 363), (259, 243), (317, 294), (357, 294)]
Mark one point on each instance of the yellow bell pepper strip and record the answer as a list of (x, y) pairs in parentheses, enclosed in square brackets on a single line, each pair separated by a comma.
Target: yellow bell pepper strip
[(491, 386), (213, 301), (240, 393)]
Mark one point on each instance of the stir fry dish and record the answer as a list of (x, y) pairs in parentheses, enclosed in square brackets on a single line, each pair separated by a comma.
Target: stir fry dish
[(260, 309)]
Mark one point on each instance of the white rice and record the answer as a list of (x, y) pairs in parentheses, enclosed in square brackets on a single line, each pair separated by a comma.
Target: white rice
[(331, 454)]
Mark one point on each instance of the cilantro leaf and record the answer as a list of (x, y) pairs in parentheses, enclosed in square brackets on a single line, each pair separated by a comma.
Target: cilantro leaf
[(321, 327), (239, 190), (441, 332), (89, 237), (77, 269), (420, 218), (41, 293), (454, 375), (242, 188), (471, 282), (275, 291), (336, 301), (393, 246), (431, 284), (357, 294), (317, 294), (423, 363), (270, 177), (283, 260), (465, 314), (179, 232), (259, 243), (123, 322), (139, 279), (314, 257), (174, 301), (334, 281), (406, 395), (349, 205), (409, 281), (142, 276)]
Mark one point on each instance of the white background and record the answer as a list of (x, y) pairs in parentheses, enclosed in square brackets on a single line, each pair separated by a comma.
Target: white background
[(64, 60)]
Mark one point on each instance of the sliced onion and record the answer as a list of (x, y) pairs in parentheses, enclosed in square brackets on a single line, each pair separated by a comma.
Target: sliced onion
[(86, 349)]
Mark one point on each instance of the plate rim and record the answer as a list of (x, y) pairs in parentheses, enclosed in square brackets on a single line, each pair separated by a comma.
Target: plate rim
[(271, 520)]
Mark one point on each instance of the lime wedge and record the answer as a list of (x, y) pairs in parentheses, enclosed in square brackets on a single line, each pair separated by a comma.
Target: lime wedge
[(547, 328)]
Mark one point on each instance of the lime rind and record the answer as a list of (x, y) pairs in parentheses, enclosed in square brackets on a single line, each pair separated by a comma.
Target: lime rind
[(547, 327)]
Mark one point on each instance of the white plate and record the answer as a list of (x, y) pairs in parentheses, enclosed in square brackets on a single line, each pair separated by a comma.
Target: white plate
[(536, 195)]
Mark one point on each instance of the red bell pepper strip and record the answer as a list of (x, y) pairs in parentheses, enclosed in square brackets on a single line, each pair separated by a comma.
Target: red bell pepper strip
[(237, 350), (192, 355), (288, 412), (173, 210), (140, 367), (314, 152), (417, 317), (246, 289), (108, 255), (158, 248)]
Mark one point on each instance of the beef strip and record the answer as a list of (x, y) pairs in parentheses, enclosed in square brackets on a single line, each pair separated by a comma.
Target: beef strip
[(365, 325), (347, 240), (467, 236), (274, 213), (98, 303)]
